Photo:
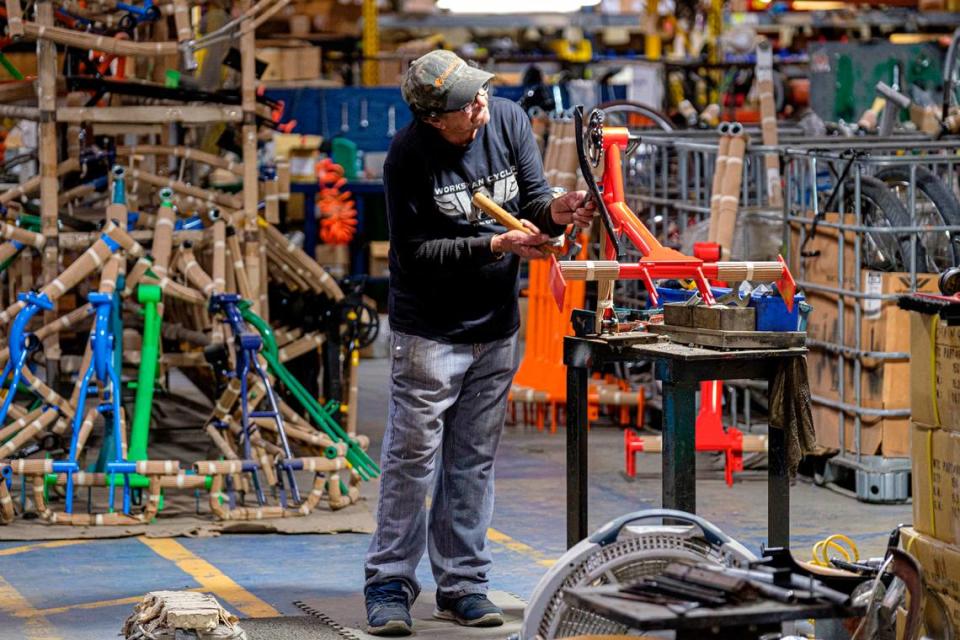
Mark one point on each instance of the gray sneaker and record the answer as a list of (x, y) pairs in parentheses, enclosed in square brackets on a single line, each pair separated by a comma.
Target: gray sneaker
[(388, 610), (471, 610)]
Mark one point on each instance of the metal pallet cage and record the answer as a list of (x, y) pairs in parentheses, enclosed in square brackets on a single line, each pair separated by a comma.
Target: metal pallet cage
[(867, 220), (847, 189)]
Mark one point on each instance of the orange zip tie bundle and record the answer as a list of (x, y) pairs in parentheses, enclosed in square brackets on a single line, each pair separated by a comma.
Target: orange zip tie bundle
[(338, 214)]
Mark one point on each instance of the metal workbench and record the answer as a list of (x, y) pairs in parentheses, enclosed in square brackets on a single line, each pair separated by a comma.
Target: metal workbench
[(680, 368)]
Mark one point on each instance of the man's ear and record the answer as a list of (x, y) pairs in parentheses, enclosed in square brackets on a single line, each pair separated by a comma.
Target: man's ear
[(435, 121)]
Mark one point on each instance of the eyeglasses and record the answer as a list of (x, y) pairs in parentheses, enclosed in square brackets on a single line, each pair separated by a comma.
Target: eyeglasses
[(468, 108)]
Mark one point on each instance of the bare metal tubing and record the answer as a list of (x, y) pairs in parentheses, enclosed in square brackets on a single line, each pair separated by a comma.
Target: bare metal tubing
[(858, 353), (861, 411), (893, 95), (849, 293), (862, 228)]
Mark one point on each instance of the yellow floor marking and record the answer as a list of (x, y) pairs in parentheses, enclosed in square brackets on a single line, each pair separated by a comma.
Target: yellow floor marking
[(503, 539), (53, 544), (36, 627), (88, 605), (210, 578)]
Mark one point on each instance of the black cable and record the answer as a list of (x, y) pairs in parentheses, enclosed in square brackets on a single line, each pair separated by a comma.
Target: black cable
[(948, 72)]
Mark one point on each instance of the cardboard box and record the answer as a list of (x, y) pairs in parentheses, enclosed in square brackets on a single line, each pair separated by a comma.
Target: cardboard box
[(883, 382), (300, 25), (935, 605), (290, 63), (881, 388), (295, 206), (379, 264), (940, 561), (26, 63), (934, 372), (333, 16), (936, 482), (302, 152), (882, 321), (335, 258)]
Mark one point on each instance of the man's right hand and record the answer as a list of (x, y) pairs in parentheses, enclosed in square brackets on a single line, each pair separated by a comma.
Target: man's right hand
[(522, 243)]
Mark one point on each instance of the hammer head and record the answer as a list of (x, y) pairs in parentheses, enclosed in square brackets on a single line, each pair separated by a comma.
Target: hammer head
[(573, 247)]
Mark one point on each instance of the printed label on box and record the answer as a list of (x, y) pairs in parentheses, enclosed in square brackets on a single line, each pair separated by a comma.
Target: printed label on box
[(873, 286)]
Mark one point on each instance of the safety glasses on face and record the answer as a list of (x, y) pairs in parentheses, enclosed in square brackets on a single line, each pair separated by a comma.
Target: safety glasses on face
[(470, 106)]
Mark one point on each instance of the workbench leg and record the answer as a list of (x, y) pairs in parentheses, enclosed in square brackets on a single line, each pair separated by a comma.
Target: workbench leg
[(359, 262), (679, 446), (778, 490), (310, 223), (576, 455)]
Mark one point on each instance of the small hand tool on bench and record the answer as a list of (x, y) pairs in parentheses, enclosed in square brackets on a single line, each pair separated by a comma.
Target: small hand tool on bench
[(572, 246)]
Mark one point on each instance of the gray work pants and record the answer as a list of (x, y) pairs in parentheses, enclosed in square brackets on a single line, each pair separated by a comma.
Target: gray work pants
[(447, 402)]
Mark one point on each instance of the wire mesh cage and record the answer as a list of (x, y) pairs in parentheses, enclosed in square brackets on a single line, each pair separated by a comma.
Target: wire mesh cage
[(866, 221)]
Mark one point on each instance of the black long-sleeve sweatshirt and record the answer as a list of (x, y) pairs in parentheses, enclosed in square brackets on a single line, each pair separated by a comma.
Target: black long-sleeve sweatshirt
[(445, 282)]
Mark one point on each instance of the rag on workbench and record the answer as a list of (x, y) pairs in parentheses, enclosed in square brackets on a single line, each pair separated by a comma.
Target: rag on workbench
[(790, 410)]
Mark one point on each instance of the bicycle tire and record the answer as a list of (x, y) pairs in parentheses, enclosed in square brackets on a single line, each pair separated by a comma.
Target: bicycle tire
[(659, 119), (944, 202), (880, 207), (950, 62)]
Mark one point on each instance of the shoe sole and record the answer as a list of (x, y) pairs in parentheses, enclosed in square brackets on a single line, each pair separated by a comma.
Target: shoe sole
[(488, 620), (392, 628)]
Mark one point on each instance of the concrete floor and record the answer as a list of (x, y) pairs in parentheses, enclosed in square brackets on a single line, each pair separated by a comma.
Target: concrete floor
[(84, 590)]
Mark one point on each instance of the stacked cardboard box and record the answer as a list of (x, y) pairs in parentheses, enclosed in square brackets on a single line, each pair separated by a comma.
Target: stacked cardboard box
[(941, 569), (290, 61), (934, 539), (936, 482), (935, 372), (883, 381), (335, 258)]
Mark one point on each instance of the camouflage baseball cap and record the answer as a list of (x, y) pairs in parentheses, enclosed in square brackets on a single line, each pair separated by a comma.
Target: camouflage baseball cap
[(441, 81)]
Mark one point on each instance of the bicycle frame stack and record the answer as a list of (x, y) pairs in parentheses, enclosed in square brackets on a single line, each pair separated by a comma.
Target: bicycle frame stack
[(128, 211)]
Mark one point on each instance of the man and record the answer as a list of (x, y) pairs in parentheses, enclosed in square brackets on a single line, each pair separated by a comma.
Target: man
[(454, 281)]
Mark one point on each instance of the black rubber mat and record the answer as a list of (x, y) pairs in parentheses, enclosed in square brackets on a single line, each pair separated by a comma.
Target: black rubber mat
[(346, 615), (288, 628)]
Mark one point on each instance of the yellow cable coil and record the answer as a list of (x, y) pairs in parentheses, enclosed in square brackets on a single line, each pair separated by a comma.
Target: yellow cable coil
[(820, 551)]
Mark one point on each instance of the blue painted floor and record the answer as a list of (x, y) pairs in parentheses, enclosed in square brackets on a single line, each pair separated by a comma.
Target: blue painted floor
[(84, 591)]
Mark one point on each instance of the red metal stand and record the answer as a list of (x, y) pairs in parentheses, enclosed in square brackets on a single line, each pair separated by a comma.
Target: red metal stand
[(711, 436), (632, 445)]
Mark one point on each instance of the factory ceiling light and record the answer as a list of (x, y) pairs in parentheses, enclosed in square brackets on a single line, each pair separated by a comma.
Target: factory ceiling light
[(512, 6)]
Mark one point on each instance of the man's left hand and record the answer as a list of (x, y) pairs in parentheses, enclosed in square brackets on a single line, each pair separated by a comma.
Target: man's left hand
[(575, 207)]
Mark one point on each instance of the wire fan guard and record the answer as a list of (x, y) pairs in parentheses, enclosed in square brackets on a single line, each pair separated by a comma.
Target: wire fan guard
[(637, 552)]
